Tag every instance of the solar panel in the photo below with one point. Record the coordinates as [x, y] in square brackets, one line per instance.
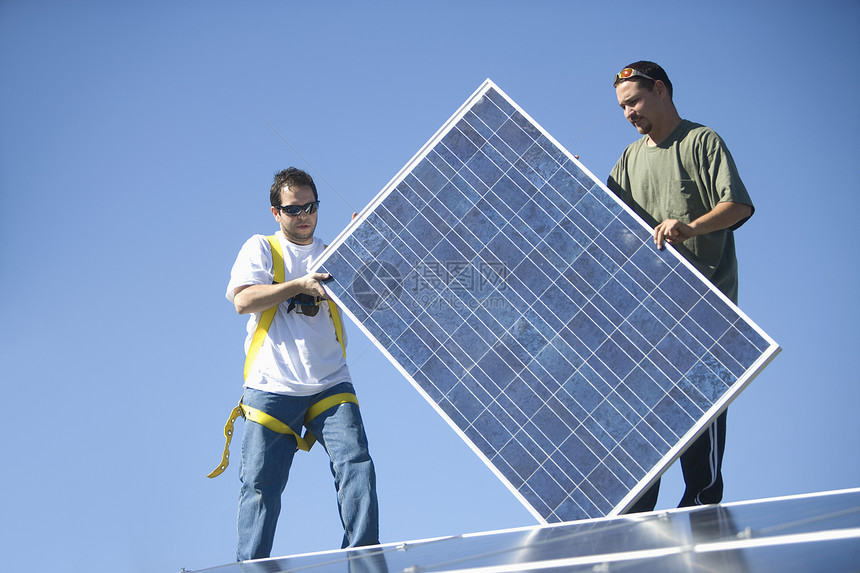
[531, 309]
[819, 532]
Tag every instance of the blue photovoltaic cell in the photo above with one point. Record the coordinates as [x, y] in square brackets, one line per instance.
[531, 308]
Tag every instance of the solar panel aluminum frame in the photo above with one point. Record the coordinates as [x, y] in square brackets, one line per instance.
[336, 289]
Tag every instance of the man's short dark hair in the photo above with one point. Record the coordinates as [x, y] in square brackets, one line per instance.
[291, 177]
[652, 70]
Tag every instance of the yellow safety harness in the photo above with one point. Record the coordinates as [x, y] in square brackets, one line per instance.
[305, 442]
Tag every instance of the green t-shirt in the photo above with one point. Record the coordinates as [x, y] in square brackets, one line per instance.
[683, 178]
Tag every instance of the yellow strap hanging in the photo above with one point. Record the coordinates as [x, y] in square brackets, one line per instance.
[228, 436]
[304, 443]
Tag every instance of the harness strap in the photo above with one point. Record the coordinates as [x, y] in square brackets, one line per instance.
[304, 443]
[334, 311]
[253, 414]
[269, 315]
[338, 324]
[323, 405]
[228, 435]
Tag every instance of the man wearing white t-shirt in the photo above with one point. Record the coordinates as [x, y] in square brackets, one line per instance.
[299, 366]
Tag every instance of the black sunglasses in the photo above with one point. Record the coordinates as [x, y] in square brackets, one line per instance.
[295, 210]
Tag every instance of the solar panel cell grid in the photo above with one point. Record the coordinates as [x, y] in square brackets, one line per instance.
[532, 310]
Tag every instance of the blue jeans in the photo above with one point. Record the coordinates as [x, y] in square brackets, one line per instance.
[267, 457]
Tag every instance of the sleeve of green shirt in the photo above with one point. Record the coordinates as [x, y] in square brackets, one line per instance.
[718, 169]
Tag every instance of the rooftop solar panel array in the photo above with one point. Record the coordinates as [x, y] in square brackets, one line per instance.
[819, 532]
[531, 308]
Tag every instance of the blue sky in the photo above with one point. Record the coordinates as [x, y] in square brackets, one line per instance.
[137, 145]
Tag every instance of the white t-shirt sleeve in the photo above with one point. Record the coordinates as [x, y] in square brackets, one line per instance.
[253, 265]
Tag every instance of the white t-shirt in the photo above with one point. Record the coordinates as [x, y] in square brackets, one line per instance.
[300, 355]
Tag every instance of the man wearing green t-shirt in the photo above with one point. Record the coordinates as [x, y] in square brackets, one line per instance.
[682, 180]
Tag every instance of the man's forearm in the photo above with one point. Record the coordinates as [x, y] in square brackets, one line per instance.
[723, 216]
[258, 298]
